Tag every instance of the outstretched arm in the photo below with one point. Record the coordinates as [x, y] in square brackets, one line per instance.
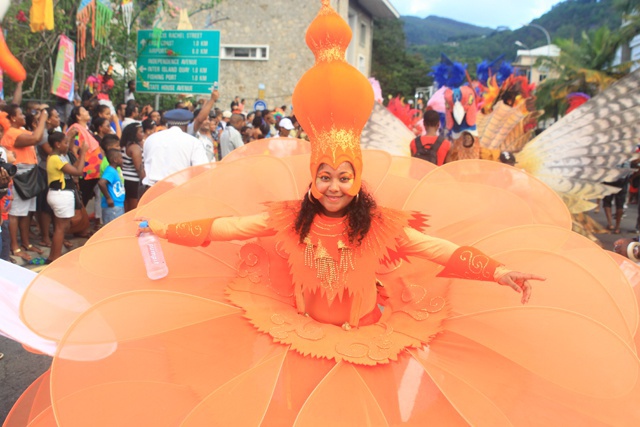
[465, 262]
[203, 232]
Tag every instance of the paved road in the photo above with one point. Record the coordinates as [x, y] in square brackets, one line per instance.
[19, 368]
[627, 226]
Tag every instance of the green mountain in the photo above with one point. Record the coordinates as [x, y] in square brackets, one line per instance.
[435, 30]
[565, 20]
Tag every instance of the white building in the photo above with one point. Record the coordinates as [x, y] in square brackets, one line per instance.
[263, 52]
[526, 62]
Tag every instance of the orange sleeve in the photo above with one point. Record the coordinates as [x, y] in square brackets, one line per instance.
[204, 231]
[426, 247]
[190, 233]
[468, 262]
[241, 227]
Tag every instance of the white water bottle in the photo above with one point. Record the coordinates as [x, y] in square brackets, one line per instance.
[152, 253]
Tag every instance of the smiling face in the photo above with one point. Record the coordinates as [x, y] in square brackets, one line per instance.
[333, 185]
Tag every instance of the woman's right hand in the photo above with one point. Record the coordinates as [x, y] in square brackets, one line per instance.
[158, 228]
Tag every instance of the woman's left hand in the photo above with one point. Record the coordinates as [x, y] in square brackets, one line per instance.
[520, 283]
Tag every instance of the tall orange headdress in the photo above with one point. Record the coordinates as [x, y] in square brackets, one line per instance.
[332, 100]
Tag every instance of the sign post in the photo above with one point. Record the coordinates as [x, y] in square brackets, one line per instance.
[183, 62]
[260, 105]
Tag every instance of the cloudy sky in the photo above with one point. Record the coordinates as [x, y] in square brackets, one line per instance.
[484, 13]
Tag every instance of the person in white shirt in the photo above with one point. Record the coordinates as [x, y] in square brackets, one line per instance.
[172, 150]
[231, 137]
[131, 115]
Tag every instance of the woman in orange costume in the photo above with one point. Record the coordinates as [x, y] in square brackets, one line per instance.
[304, 341]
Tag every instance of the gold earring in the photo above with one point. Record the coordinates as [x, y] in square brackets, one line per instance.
[357, 197]
[309, 196]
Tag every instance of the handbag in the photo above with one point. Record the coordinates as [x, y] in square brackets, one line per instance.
[29, 184]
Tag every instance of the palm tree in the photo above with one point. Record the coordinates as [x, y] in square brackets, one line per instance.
[581, 67]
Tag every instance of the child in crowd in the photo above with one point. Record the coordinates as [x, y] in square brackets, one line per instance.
[111, 141]
[61, 197]
[112, 186]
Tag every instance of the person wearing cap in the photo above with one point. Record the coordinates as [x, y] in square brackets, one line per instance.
[285, 127]
[231, 137]
[172, 150]
[226, 117]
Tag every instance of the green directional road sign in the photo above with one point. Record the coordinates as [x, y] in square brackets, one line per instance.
[183, 62]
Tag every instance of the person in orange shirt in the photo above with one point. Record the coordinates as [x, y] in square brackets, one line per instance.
[22, 143]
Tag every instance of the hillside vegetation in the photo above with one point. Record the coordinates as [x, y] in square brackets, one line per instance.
[463, 43]
[435, 30]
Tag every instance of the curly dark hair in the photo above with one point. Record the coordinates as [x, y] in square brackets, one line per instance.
[360, 213]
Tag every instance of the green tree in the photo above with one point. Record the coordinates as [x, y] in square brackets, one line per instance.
[398, 71]
[37, 51]
[583, 66]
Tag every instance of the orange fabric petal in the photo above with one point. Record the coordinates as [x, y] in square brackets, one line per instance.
[408, 396]
[332, 401]
[33, 408]
[558, 347]
[154, 355]
[482, 381]
[243, 400]
[298, 378]
[82, 278]
[564, 258]
[472, 199]
[631, 270]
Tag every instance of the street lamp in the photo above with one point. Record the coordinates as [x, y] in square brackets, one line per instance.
[528, 69]
[546, 33]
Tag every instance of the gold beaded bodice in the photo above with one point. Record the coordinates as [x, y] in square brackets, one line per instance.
[326, 263]
[327, 252]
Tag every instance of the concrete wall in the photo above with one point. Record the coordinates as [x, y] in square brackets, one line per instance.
[359, 52]
[277, 24]
[280, 25]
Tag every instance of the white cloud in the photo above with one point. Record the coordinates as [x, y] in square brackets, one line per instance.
[486, 13]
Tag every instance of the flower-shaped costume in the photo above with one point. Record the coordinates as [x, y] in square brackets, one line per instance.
[224, 339]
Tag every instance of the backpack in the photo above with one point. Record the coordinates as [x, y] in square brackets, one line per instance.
[429, 154]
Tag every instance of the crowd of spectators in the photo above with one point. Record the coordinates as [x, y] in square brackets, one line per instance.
[95, 159]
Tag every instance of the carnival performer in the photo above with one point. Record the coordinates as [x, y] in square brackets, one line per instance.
[337, 309]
